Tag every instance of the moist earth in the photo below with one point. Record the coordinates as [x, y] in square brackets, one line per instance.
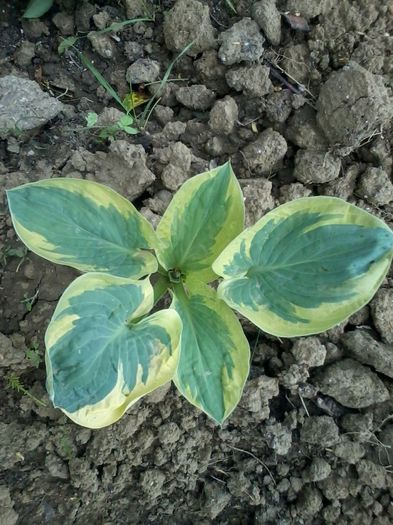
[298, 95]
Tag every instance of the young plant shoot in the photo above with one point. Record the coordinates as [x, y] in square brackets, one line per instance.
[300, 270]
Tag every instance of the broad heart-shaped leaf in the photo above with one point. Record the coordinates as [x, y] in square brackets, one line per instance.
[99, 361]
[305, 266]
[214, 356]
[202, 218]
[85, 225]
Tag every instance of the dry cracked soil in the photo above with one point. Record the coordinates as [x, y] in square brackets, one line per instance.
[298, 95]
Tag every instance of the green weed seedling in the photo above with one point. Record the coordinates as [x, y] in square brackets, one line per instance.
[123, 124]
[14, 383]
[301, 269]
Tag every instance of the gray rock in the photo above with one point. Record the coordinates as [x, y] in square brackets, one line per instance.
[320, 430]
[376, 187]
[143, 70]
[196, 97]
[25, 54]
[309, 502]
[189, 21]
[318, 470]
[257, 199]
[102, 19]
[307, 8]
[296, 62]
[254, 81]
[279, 438]
[223, 116]
[296, 190]
[64, 23]
[309, 351]
[362, 346]
[295, 374]
[302, 129]
[241, 42]
[177, 154]
[257, 394]
[268, 17]
[163, 114]
[316, 167]
[24, 106]
[152, 482]
[217, 498]
[56, 467]
[382, 313]
[349, 451]
[266, 152]
[133, 50]
[102, 44]
[7, 513]
[371, 474]
[135, 8]
[352, 384]
[173, 177]
[352, 105]
[123, 168]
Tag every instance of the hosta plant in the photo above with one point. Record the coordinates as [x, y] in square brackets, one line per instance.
[301, 269]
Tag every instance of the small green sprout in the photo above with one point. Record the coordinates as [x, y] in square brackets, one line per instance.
[33, 354]
[14, 383]
[123, 124]
[37, 8]
[301, 269]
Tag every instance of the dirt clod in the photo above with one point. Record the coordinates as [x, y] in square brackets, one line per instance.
[142, 71]
[316, 167]
[268, 17]
[376, 187]
[352, 384]
[252, 80]
[241, 42]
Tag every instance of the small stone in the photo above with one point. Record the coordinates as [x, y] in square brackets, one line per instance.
[189, 21]
[217, 498]
[266, 152]
[376, 187]
[352, 384]
[280, 438]
[362, 346]
[335, 487]
[7, 512]
[101, 20]
[302, 129]
[309, 502]
[135, 8]
[296, 63]
[278, 106]
[371, 474]
[257, 394]
[24, 106]
[196, 97]
[64, 23]
[258, 199]
[352, 105]
[163, 114]
[56, 467]
[294, 375]
[102, 44]
[306, 8]
[296, 190]
[152, 482]
[173, 177]
[254, 81]
[25, 54]
[349, 451]
[268, 17]
[241, 42]
[318, 470]
[143, 71]
[169, 433]
[382, 313]
[309, 351]
[316, 167]
[320, 430]
[133, 50]
[223, 116]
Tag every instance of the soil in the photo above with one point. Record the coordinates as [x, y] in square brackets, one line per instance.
[298, 95]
